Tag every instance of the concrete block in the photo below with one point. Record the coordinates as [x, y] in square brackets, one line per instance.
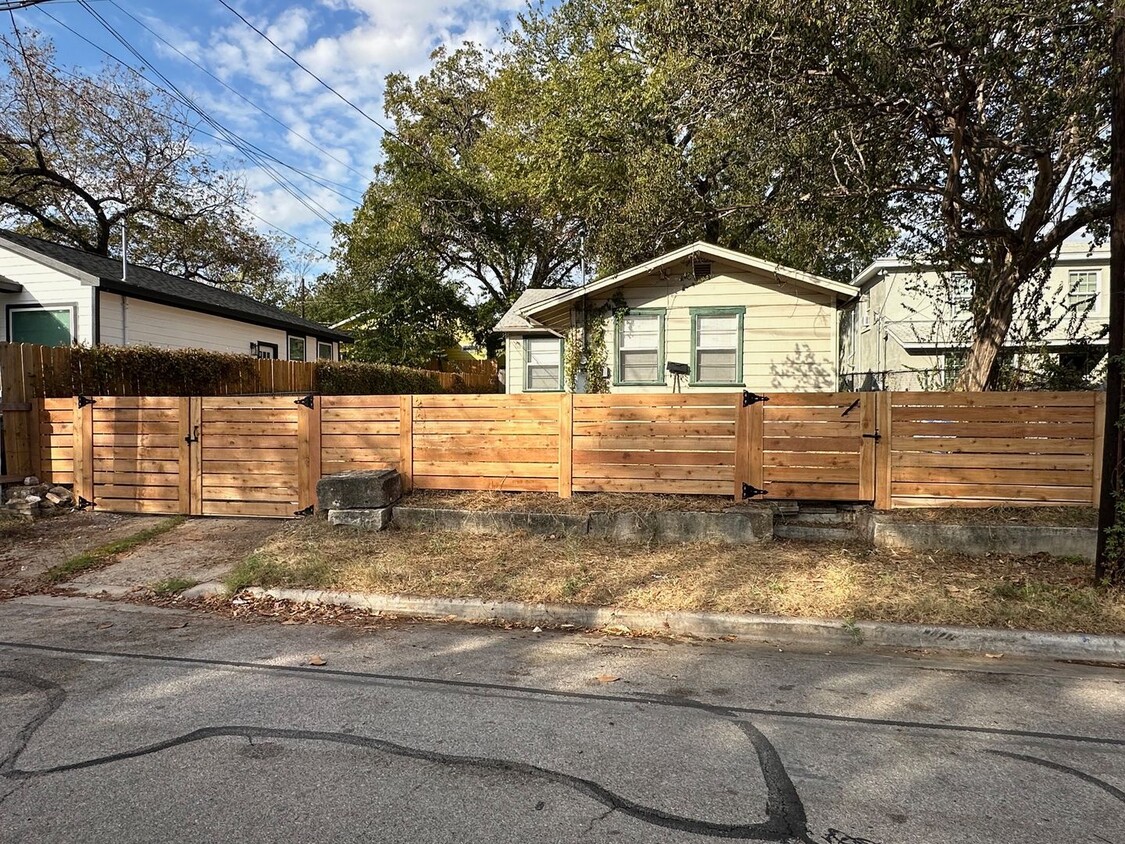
[364, 519]
[732, 527]
[976, 539]
[489, 522]
[358, 490]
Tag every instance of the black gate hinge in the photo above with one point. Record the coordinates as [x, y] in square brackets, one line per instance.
[85, 400]
[83, 504]
[307, 401]
[749, 398]
[749, 491]
[308, 511]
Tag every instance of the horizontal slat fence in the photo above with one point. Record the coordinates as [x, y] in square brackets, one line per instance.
[262, 456]
[485, 442]
[679, 443]
[987, 449]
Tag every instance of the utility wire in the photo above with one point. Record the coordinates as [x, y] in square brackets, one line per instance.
[231, 137]
[235, 91]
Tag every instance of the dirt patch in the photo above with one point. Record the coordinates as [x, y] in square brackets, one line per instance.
[29, 549]
[580, 503]
[821, 580]
[1038, 516]
[198, 550]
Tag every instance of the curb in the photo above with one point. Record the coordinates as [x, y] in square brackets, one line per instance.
[818, 633]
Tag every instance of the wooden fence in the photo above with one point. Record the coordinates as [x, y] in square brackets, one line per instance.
[29, 371]
[262, 456]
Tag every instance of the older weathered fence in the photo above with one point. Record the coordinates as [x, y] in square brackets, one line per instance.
[263, 455]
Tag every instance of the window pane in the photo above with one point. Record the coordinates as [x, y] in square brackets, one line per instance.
[640, 365]
[717, 332]
[324, 351]
[640, 331]
[1083, 284]
[296, 348]
[47, 328]
[543, 352]
[543, 377]
[716, 365]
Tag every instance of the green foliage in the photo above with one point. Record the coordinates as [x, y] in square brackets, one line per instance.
[350, 378]
[172, 586]
[100, 556]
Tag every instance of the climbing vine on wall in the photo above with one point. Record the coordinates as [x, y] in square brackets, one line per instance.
[587, 349]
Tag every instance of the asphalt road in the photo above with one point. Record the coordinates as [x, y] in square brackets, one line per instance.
[126, 724]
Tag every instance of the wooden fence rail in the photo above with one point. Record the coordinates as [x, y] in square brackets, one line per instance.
[262, 456]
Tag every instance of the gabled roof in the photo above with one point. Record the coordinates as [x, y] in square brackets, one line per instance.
[699, 249]
[513, 322]
[153, 285]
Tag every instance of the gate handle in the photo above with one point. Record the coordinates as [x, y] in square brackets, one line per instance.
[193, 437]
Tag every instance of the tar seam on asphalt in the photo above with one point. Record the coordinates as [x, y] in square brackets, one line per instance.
[786, 819]
[531, 690]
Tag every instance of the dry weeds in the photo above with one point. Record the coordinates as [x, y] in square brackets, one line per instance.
[787, 578]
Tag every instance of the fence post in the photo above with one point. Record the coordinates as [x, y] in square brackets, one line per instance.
[35, 438]
[195, 466]
[406, 441]
[83, 451]
[308, 453]
[741, 445]
[883, 416]
[1099, 444]
[566, 444]
[869, 447]
[183, 410]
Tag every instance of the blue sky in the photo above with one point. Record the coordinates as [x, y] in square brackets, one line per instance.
[351, 44]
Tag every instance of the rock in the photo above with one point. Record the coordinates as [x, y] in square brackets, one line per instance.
[364, 519]
[31, 480]
[58, 500]
[32, 500]
[62, 492]
[359, 490]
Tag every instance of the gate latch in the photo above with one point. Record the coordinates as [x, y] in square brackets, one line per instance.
[749, 491]
[307, 401]
[876, 436]
[749, 398]
[193, 437]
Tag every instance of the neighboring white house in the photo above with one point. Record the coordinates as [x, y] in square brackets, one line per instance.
[723, 319]
[908, 328]
[56, 295]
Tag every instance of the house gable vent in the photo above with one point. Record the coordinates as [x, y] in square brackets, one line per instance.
[701, 269]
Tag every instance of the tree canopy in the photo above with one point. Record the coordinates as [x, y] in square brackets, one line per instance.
[83, 155]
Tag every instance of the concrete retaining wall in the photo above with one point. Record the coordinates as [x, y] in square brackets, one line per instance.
[985, 539]
[731, 527]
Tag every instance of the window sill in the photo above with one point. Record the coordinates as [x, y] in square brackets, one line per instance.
[553, 390]
[640, 383]
[716, 384]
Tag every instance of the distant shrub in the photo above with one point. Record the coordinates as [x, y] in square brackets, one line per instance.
[353, 378]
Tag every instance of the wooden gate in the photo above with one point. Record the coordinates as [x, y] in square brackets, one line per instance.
[807, 446]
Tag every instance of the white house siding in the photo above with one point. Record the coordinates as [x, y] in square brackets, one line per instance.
[47, 287]
[894, 312]
[153, 324]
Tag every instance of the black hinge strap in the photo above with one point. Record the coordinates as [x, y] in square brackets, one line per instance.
[749, 491]
[749, 398]
[83, 503]
[307, 401]
[308, 511]
[85, 400]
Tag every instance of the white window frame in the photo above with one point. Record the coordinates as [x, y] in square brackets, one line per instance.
[1074, 299]
[528, 341]
[304, 341]
[619, 347]
[320, 347]
[960, 290]
[69, 307]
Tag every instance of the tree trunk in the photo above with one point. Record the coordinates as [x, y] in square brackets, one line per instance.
[990, 329]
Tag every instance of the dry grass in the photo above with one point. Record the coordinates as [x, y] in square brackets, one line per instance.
[786, 578]
[579, 503]
[1044, 516]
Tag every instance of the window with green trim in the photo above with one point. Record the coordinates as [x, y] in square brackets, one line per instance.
[640, 347]
[543, 371]
[716, 346]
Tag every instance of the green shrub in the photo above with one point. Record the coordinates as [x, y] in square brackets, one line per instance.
[352, 378]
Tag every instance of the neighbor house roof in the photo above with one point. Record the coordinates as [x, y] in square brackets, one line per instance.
[513, 322]
[699, 249]
[153, 285]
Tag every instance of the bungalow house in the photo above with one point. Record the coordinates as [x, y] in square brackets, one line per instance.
[909, 326]
[699, 318]
[55, 295]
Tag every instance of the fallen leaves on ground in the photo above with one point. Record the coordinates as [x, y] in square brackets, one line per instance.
[317, 660]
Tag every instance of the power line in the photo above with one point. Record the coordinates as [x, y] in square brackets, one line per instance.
[234, 90]
[305, 199]
[228, 135]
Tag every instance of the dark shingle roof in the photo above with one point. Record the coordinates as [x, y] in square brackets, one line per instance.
[145, 283]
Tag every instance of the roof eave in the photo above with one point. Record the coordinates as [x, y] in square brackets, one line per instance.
[46, 260]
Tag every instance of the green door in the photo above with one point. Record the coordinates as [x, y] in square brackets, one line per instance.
[45, 326]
